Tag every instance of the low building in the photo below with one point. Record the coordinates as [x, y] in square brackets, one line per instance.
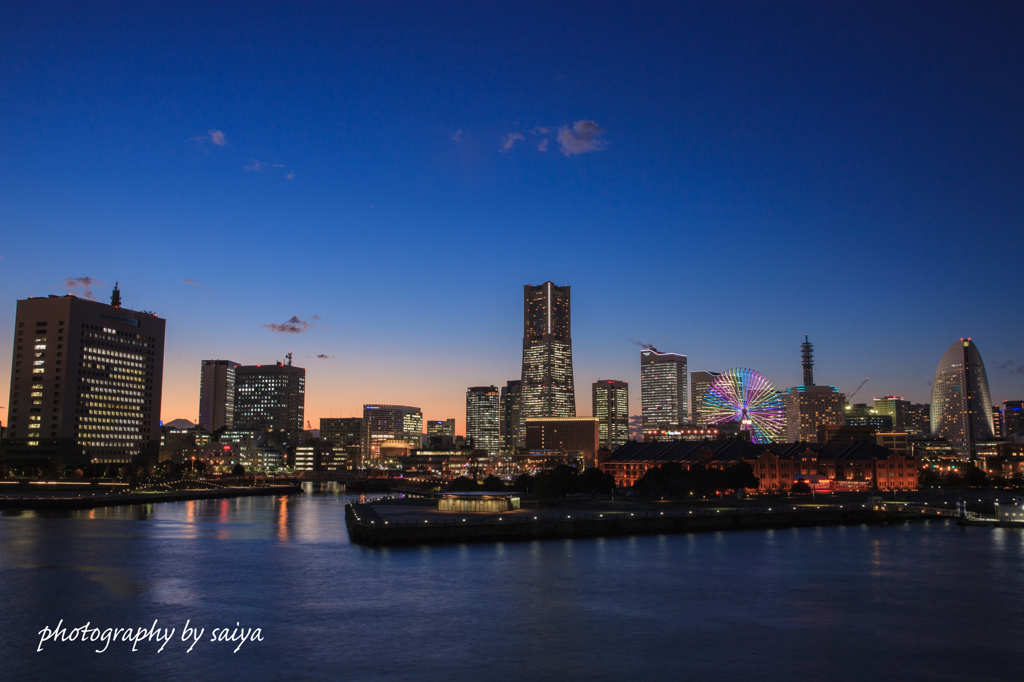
[478, 502]
[571, 437]
[852, 465]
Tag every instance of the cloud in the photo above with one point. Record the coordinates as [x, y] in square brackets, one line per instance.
[582, 138]
[214, 136]
[457, 137]
[543, 146]
[324, 357]
[291, 175]
[292, 326]
[192, 282]
[510, 140]
[259, 166]
[539, 130]
[1012, 367]
[646, 346]
[82, 285]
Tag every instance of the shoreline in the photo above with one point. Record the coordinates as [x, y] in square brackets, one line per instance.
[127, 499]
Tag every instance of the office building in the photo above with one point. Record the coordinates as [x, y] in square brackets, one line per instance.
[1012, 417]
[897, 408]
[918, 420]
[393, 423]
[663, 391]
[351, 434]
[441, 428]
[547, 381]
[575, 438]
[961, 403]
[511, 427]
[271, 398]
[611, 408]
[217, 394]
[86, 379]
[808, 407]
[699, 381]
[482, 418]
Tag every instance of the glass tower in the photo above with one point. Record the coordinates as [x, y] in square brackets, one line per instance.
[547, 383]
[511, 426]
[699, 382]
[482, 403]
[611, 407]
[961, 403]
[663, 391]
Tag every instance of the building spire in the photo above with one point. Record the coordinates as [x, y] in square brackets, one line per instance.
[807, 353]
[115, 296]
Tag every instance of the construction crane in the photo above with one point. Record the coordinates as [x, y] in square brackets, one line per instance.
[849, 397]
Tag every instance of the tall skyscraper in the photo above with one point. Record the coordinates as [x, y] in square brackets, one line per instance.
[217, 394]
[663, 391]
[699, 381]
[810, 407]
[961, 402]
[271, 398]
[611, 407]
[482, 417]
[441, 428]
[511, 426]
[86, 379]
[547, 382]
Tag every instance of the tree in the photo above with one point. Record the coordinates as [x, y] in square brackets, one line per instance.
[740, 475]
[556, 483]
[975, 477]
[525, 483]
[238, 470]
[597, 482]
[494, 484]
[463, 485]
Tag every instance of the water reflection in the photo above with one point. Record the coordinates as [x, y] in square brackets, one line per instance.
[715, 605]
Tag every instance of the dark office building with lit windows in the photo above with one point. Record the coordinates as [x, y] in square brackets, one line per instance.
[547, 381]
[270, 398]
[86, 379]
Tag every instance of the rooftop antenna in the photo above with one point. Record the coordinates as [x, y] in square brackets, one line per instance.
[288, 358]
[115, 296]
[807, 353]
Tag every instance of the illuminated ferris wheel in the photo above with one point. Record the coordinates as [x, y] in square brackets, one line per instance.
[749, 397]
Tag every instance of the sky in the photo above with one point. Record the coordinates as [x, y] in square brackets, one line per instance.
[370, 185]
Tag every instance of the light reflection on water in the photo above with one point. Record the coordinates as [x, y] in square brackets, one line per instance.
[844, 602]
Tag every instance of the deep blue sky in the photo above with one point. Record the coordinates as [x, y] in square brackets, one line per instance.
[766, 170]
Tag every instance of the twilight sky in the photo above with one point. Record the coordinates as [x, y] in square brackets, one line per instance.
[716, 179]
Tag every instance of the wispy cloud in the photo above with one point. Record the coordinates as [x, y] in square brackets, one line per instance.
[324, 357]
[192, 282]
[543, 146]
[294, 325]
[646, 346]
[1012, 367]
[540, 130]
[82, 285]
[214, 136]
[583, 137]
[259, 166]
[510, 140]
[457, 136]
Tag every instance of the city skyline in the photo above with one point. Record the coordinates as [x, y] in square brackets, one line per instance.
[882, 161]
